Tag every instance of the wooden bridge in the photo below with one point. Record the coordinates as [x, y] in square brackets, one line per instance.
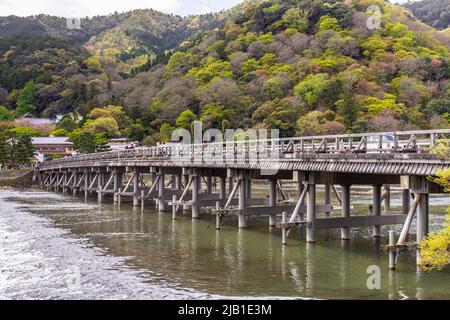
[216, 178]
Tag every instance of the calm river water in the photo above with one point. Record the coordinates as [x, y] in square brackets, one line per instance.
[60, 247]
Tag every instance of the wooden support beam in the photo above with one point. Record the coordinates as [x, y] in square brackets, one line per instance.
[129, 182]
[93, 181]
[70, 179]
[298, 209]
[409, 219]
[336, 193]
[83, 176]
[359, 221]
[110, 180]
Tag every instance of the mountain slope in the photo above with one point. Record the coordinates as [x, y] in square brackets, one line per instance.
[307, 67]
[302, 66]
[435, 13]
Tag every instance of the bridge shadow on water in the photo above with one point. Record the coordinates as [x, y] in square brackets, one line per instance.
[240, 262]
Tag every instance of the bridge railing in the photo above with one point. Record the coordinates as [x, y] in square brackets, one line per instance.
[273, 149]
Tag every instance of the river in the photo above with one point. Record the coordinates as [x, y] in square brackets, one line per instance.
[62, 247]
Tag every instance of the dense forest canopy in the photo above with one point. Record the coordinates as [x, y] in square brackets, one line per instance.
[302, 66]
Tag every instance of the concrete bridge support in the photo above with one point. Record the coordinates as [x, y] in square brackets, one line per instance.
[311, 209]
[87, 179]
[135, 188]
[345, 232]
[117, 184]
[161, 193]
[196, 187]
[406, 200]
[272, 200]
[422, 217]
[242, 180]
[327, 197]
[75, 183]
[376, 208]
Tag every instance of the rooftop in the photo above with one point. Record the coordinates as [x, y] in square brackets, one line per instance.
[52, 140]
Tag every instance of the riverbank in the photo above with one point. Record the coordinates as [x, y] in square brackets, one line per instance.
[17, 178]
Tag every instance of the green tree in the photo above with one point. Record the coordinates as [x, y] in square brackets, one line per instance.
[439, 106]
[185, 119]
[311, 123]
[107, 125]
[435, 248]
[328, 23]
[21, 149]
[312, 88]
[5, 154]
[297, 19]
[67, 124]
[59, 133]
[101, 142]
[25, 101]
[273, 89]
[23, 131]
[212, 115]
[93, 64]
[5, 114]
[83, 141]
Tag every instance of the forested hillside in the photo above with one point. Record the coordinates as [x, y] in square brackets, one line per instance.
[435, 13]
[303, 66]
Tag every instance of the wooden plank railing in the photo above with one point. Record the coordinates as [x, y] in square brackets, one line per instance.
[380, 142]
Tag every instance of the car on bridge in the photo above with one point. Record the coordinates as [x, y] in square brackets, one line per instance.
[373, 142]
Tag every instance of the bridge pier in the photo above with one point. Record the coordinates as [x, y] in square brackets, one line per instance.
[345, 208]
[86, 183]
[387, 199]
[135, 188]
[242, 180]
[327, 197]
[161, 193]
[272, 200]
[65, 181]
[117, 184]
[196, 187]
[376, 208]
[422, 217]
[311, 209]
[406, 200]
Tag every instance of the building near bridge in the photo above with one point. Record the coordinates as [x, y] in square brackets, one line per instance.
[53, 147]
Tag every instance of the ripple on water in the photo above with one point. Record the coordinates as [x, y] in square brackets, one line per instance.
[40, 261]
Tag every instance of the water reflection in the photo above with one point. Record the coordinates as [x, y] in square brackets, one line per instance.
[232, 261]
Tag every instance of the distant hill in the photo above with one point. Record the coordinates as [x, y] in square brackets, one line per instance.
[435, 13]
[302, 66]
